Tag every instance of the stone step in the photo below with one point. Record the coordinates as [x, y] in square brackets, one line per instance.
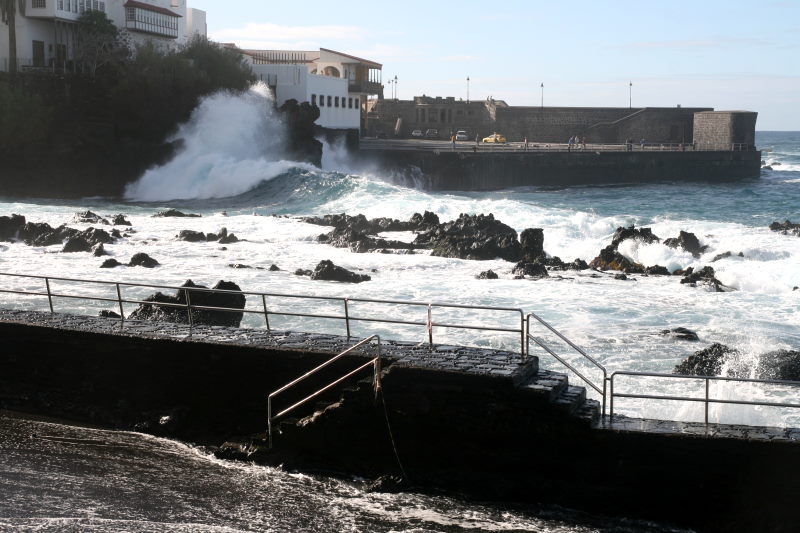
[571, 399]
[547, 384]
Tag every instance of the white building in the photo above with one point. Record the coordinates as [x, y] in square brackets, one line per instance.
[339, 84]
[45, 28]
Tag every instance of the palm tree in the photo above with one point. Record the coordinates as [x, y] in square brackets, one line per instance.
[8, 10]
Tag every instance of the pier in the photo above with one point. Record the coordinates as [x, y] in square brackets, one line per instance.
[464, 166]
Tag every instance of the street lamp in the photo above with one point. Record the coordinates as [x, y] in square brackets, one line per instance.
[630, 89]
[467, 89]
[542, 86]
[395, 87]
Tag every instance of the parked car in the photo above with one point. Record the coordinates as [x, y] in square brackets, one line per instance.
[417, 133]
[432, 134]
[495, 138]
[461, 135]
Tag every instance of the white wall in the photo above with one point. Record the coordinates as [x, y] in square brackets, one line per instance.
[294, 81]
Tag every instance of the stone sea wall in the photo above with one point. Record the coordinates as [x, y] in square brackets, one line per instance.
[483, 424]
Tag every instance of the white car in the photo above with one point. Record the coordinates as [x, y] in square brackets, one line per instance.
[461, 135]
[417, 133]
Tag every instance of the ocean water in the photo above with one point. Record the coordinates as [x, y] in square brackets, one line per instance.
[230, 175]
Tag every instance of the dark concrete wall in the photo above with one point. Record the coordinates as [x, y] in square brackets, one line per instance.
[476, 435]
[489, 170]
[538, 124]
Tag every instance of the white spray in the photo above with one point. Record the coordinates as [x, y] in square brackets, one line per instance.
[230, 145]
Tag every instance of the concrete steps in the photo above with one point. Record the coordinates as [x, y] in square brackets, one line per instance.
[554, 387]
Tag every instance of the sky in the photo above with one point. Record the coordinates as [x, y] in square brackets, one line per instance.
[726, 55]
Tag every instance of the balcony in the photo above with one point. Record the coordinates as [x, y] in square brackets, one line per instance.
[365, 87]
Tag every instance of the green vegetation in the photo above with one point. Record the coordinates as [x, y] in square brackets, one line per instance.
[94, 130]
[24, 119]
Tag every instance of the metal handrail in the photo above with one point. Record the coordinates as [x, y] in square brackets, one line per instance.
[706, 399]
[540, 342]
[428, 322]
[374, 362]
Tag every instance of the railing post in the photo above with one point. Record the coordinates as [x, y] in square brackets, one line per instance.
[430, 326]
[119, 302]
[708, 382]
[49, 295]
[611, 401]
[266, 313]
[347, 318]
[522, 336]
[189, 308]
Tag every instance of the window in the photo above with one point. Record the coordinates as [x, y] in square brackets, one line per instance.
[38, 53]
[349, 103]
[322, 100]
[336, 102]
[330, 99]
[39, 4]
[355, 101]
[313, 99]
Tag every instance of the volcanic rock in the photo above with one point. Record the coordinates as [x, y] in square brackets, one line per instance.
[533, 270]
[143, 260]
[706, 362]
[76, 244]
[786, 227]
[87, 217]
[680, 333]
[119, 220]
[10, 227]
[610, 258]
[174, 213]
[687, 241]
[110, 263]
[780, 364]
[191, 236]
[705, 275]
[531, 242]
[327, 271]
[487, 274]
[175, 309]
[472, 237]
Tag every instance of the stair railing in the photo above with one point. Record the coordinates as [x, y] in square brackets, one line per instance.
[600, 389]
[375, 362]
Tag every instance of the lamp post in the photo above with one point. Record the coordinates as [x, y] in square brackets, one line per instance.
[395, 87]
[542, 87]
[467, 89]
[630, 90]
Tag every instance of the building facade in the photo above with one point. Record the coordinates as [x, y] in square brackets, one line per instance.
[534, 123]
[45, 35]
[340, 85]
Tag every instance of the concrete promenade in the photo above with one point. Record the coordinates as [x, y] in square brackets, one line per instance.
[458, 359]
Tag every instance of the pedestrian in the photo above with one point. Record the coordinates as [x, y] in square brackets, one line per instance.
[526, 143]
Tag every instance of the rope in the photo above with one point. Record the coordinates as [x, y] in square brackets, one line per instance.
[391, 437]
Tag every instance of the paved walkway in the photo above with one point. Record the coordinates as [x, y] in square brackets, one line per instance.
[478, 361]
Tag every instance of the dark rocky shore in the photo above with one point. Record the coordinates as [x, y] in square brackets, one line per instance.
[471, 237]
